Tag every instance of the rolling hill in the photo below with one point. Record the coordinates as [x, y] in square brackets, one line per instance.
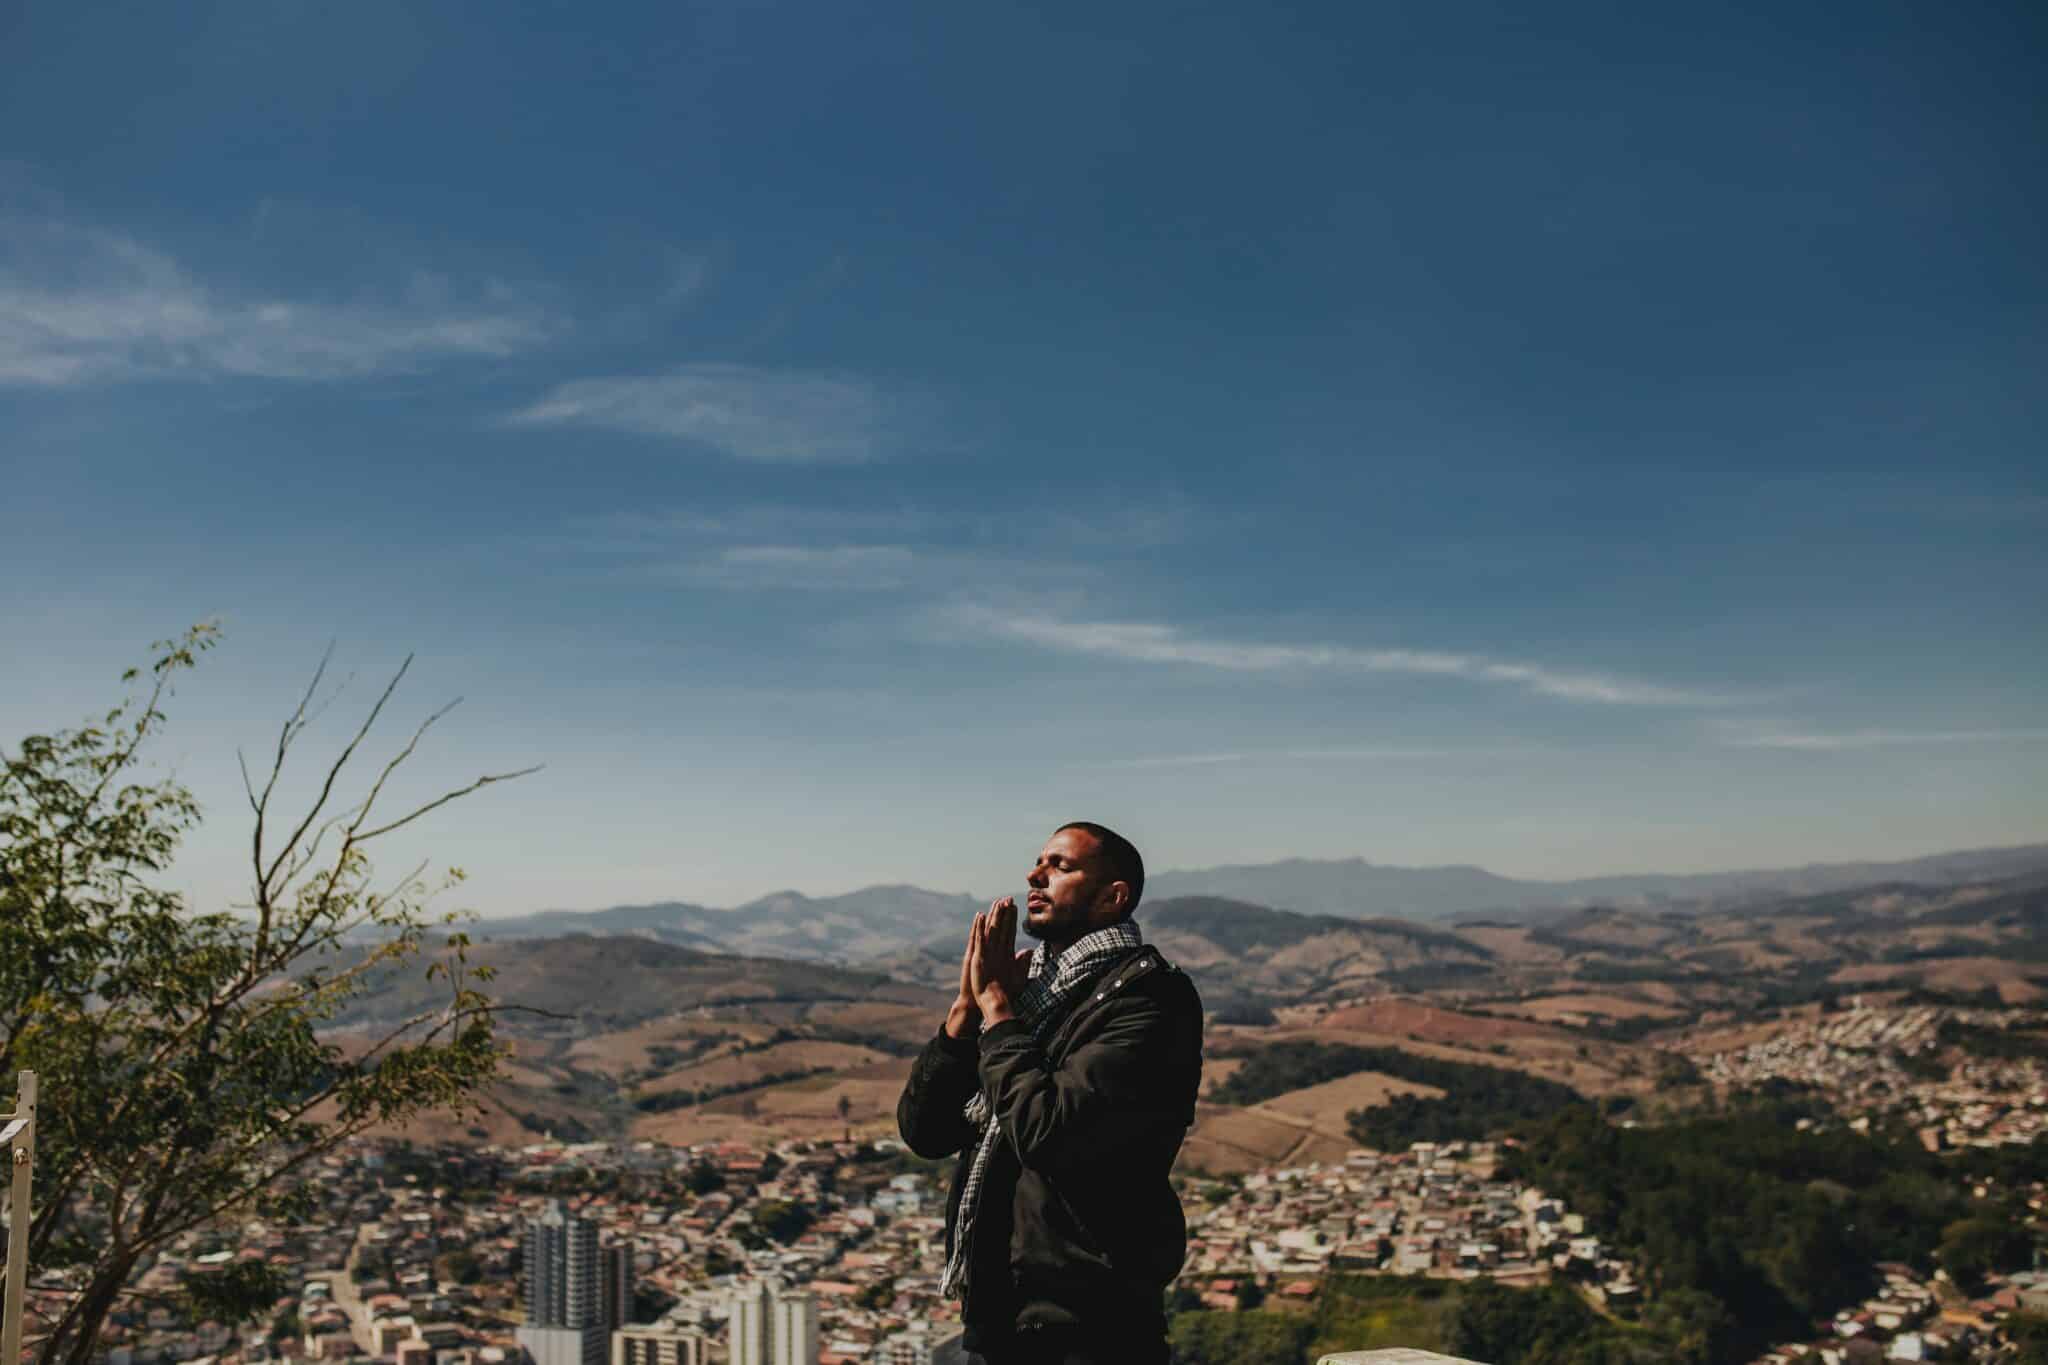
[1355, 888]
[580, 984]
[633, 1035]
[893, 924]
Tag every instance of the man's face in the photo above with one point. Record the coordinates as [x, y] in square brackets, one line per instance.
[1071, 894]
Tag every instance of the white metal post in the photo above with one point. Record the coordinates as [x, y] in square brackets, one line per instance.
[19, 1135]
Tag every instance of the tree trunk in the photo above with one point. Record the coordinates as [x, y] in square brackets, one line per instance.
[78, 1332]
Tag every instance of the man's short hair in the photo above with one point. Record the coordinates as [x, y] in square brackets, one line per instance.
[1119, 854]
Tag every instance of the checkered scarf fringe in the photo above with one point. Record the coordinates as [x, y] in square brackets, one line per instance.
[1053, 984]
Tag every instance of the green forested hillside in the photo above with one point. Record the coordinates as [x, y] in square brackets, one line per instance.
[1477, 1102]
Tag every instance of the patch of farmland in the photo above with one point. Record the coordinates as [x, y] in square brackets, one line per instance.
[871, 1094]
[1325, 1106]
[1510, 944]
[879, 1019]
[1590, 1066]
[517, 1074]
[1217, 1070]
[746, 1068]
[1398, 1018]
[1552, 1008]
[696, 1126]
[1228, 1139]
[633, 1049]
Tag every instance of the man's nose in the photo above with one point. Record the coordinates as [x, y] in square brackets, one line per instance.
[1036, 876]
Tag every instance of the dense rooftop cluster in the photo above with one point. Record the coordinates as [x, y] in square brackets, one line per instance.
[1433, 1210]
[1865, 1059]
[413, 1256]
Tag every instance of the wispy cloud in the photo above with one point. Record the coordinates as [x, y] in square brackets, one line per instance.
[752, 523]
[1156, 643]
[833, 568]
[747, 412]
[1839, 741]
[1370, 752]
[894, 545]
[79, 305]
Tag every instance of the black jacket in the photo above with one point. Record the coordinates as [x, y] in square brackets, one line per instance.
[1078, 1225]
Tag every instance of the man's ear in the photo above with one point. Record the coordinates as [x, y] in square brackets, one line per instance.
[1120, 898]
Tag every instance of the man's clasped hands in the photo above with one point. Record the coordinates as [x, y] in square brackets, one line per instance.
[992, 971]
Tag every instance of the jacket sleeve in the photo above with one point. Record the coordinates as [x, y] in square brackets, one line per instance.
[1108, 1093]
[941, 1082]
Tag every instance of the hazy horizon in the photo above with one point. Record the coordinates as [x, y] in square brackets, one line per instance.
[822, 893]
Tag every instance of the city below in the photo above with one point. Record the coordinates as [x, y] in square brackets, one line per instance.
[828, 1252]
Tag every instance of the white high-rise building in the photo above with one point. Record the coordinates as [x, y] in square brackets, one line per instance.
[794, 1332]
[746, 1330]
[564, 1301]
[562, 1275]
[772, 1325]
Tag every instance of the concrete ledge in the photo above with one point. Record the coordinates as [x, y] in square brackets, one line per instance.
[1400, 1356]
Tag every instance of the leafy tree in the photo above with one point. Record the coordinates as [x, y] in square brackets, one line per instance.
[782, 1219]
[1699, 1327]
[1551, 1325]
[2028, 1333]
[1363, 1312]
[1255, 1338]
[650, 1301]
[1495, 1323]
[372, 1263]
[1777, 1226]
[1477, 1101]
[183, 1073]
[1974, 1247]
[459, 1266]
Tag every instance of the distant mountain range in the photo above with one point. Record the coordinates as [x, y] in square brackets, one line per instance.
[859, 926]
[587, 983]
[878, 924]
[1357, 889]
[606, 1026]
[1641, 963]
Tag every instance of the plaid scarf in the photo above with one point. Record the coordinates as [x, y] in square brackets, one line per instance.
[1054, 982]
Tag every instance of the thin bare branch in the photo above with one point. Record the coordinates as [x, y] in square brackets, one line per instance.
[295, 722]
[377, 787]
[443, 800]
[293, 725]
[248, 787]
[334, 770]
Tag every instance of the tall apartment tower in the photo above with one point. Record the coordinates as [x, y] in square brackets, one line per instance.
[562, 1275]
[794, 1329]
[564, 1291]
[771, 1325]
[615, 1284]
[746, 1330]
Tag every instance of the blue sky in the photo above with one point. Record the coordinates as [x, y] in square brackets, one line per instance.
[841, 442]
